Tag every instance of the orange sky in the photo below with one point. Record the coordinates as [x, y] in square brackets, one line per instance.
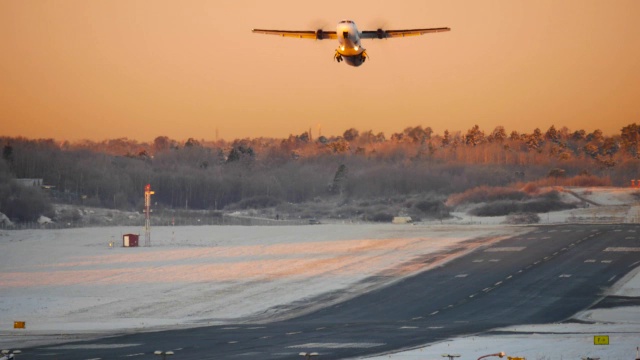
[80, 69]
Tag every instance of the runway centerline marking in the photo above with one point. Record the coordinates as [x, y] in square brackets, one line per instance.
[565, 276]
[461, 275]
[590, 261]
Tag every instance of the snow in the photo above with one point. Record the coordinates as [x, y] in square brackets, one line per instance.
[70, 284]
[73, 282]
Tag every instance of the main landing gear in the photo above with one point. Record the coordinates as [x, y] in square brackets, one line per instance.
[337, 57]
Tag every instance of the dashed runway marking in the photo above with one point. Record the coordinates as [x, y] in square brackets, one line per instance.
[590, 261]
[606, 261]
[461, 275]
[494, 260]
[565, 276]
[623, 249]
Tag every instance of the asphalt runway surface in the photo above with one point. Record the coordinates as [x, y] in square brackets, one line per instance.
[544, 276]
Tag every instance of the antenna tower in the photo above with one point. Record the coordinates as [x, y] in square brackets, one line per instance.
[147, 214]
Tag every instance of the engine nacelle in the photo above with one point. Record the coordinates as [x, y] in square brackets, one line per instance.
[319, 34]
[381, 34]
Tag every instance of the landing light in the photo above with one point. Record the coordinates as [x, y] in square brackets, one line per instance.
[356, 48]
[342, 48]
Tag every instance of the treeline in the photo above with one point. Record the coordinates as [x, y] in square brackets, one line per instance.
[196, 174]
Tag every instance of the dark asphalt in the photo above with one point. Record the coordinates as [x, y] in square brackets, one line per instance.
[544, 276]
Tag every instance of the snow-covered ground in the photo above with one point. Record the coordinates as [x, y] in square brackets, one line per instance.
[67, 284]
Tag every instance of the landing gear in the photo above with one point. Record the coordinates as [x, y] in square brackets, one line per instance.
[364, 56]
[337, 57]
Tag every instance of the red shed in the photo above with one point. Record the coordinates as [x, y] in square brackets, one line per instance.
[130, 240]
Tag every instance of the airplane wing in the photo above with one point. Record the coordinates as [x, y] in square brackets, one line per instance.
[310, 34]
[383, 34]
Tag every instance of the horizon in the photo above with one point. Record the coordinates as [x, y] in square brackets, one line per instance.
[105, 70]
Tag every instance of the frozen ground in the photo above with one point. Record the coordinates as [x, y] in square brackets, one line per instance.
[68, 284]
[71, 281]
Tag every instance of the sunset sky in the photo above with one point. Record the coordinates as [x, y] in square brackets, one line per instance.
[99, 69]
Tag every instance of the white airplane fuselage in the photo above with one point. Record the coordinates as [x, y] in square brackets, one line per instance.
[349, 47]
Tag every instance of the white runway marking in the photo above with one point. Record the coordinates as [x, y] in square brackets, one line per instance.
[294, 333]
[546, 237]
[565, 276]
[494, 260]
[435, 327]
[506, 248]
[461, 275]
[498, 283]
[435, 312]
[131, 355]
[478, 261]
[336, 345]
[613, 277]
[90, 346]
[606, 261]
[623, 249]
[629, 238]
[590, 261]
[233, 342]
[408, 327]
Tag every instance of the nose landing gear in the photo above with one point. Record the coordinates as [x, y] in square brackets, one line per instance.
[337, 57]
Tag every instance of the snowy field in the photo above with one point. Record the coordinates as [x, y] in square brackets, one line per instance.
[70, 284]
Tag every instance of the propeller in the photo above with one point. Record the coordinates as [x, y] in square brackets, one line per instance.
[319, 26]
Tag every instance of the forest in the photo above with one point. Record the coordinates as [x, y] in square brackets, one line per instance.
[415, 165]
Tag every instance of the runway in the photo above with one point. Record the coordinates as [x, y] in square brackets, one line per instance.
[543, 276]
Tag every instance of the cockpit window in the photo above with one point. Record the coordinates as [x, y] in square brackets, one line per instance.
[346, 22]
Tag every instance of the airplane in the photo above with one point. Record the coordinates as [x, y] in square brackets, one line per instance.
[349, 47]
